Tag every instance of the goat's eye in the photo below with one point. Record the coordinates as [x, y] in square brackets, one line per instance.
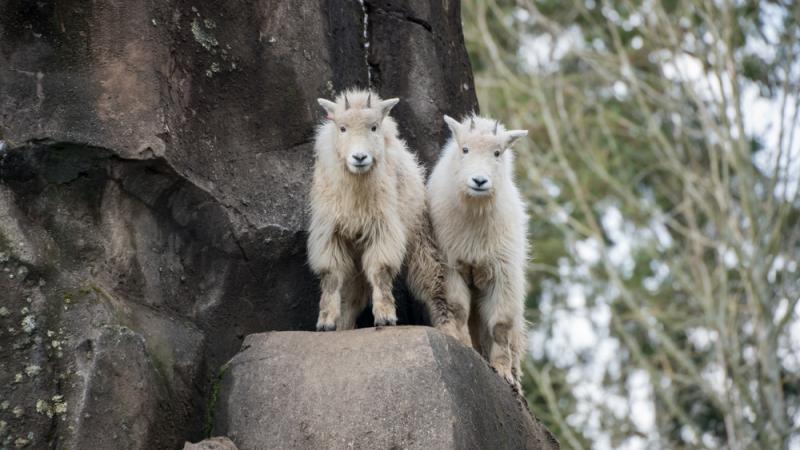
[465, 150]
[374, 128]
[497, 153]
[342, 129]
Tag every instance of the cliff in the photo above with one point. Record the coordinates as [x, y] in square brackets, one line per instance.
[154, 168]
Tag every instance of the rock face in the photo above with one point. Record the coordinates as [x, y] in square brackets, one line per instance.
[403, 387]
[155, 158]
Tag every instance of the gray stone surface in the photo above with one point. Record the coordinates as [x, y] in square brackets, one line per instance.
[403, 387]
[416, 47]
[154, 168]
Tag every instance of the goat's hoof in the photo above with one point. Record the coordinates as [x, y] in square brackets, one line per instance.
[515, 386]
[508, 376]
[385, 322]
[384, 315]
[326, 327]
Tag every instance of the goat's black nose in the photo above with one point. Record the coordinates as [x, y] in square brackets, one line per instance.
[359, 157]
[479, 181]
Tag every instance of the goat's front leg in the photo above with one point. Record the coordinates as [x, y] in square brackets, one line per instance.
[482, 276]
[330, 259]
[459, 300]
[381, 262]
[383, 307]
[502, 356]
[501, 313]
[330, 302]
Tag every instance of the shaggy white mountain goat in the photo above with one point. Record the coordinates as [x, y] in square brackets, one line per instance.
[480, 224]
[368, 217]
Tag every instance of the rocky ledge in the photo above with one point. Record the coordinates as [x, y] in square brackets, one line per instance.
[400, 387]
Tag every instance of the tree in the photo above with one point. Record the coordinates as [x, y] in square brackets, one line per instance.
[663, 175]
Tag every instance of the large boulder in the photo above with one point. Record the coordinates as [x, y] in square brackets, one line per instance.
[401, 387]
[155, 158]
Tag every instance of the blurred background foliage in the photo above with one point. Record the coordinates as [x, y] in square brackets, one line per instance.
[662, 174]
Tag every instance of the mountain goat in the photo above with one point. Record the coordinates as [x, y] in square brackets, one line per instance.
[480, 224]
[368, 217]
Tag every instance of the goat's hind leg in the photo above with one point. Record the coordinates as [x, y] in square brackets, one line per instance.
[517, 351]
[425, 278]
[355, 296]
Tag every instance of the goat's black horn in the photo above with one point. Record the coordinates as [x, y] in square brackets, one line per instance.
[369, 100]
[496, 122]
[346, 102]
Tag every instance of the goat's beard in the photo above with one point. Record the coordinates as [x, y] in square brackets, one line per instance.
[477, 207]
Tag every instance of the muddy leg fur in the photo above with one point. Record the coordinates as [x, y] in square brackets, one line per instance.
[331, 259]
[383, 307]
[458, 299]
[503, 321]
[425, 278]
[500, 355]
[355, 297]
[330, 302]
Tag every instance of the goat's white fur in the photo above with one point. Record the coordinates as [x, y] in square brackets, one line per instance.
[481, 230]
[368, 216]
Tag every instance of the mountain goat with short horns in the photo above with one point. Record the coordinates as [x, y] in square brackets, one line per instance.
[480, 224]
[369, 218]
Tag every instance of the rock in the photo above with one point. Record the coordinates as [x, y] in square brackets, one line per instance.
[404, 387]
[155, 159]
[122, 391]
[416, 47]
[215, 443]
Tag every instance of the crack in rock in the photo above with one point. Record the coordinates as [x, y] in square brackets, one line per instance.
[406, 17]
[365, 35]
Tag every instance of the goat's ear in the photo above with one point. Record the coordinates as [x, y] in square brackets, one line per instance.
[327, 105]
[454, 125]
[387, 105]
[514, 135]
